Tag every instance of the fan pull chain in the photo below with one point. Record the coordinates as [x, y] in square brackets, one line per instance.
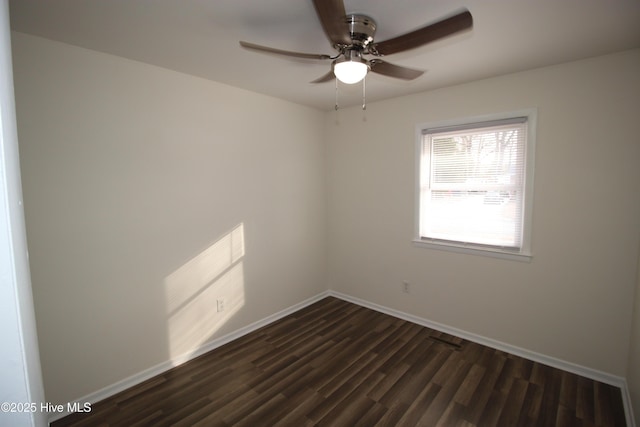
[336, 106]
[364, 93]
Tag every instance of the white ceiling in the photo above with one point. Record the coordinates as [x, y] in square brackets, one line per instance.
[200, 37]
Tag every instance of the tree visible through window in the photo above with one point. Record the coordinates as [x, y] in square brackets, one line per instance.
[472, 184]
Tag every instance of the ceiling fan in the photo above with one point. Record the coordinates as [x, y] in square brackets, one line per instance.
[353, 37]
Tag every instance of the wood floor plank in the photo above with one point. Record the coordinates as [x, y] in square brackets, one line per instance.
[451, 416]
[334, 363]
[419, 405]
[585, 400]
[415, 379]
[298, 408]
[551, 397]
[393, 415]
[391, 377]
[568, 391]
[348, 411]
[493, 409]
[530, 406]
[469, 384]
[458, 371]
[513, 405]
[483, 393]
[435, 408]
[372, 417]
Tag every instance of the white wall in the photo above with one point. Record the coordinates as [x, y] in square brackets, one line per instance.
[574, 300]
[20, 372]
[150, 194]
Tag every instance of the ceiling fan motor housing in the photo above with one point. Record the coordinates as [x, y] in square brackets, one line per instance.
[361, 29]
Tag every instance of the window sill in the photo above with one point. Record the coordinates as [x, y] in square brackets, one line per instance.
[470, 250]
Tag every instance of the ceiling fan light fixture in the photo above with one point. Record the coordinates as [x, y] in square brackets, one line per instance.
[351, 69]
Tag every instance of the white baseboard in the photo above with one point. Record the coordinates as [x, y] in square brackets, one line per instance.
[593, 374]
[140, 377]
[211, 345]
[628, 407]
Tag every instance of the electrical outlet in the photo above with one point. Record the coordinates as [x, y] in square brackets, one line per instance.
[220, 302]
[405, 287]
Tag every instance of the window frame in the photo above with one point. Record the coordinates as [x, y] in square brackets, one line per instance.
[524, 254]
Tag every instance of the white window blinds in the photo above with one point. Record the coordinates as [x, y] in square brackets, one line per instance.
[472, 181]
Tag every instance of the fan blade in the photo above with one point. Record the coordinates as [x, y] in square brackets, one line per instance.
[283, 52]
[386, 69]
[424, 35]
[326, 78]
[332, 17]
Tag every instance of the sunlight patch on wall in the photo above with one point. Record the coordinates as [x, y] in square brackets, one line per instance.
[204, 293]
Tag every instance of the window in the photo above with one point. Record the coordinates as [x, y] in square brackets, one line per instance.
[474, 189]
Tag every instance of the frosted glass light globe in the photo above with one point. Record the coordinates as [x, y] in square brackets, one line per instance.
[350, 72]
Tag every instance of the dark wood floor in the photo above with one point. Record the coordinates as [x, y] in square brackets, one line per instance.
[338, 364]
